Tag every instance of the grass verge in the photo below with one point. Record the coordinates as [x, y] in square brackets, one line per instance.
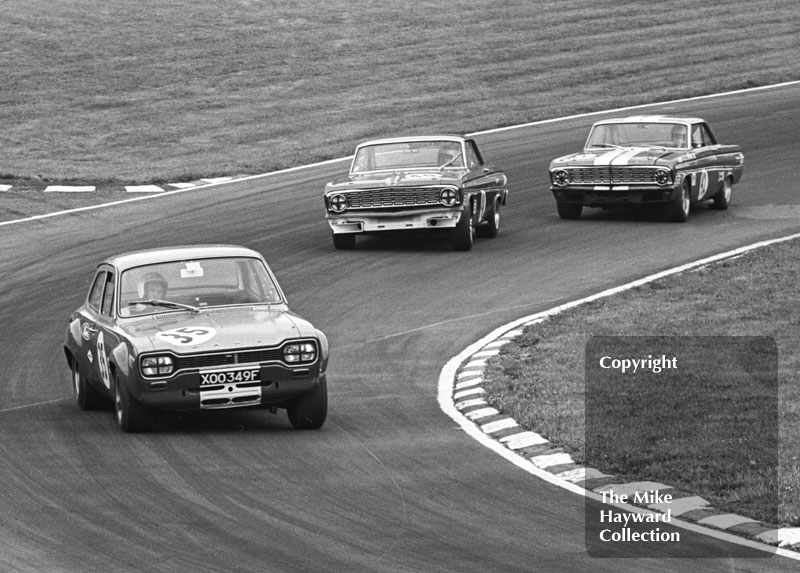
[152, 91]
[539, 379]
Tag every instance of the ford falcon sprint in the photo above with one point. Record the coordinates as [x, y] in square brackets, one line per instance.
[667, 162]
[193, 328]
[431, 182]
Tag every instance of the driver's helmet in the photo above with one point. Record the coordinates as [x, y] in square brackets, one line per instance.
[152, 285]
[678, 136]
[448, 153]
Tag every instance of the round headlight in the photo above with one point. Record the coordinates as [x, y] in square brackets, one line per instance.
[560, 177]
[448, 197]
[338, 203]
[662, 177]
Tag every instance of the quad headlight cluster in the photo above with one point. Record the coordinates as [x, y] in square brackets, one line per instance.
[159, 365]
[300, 353]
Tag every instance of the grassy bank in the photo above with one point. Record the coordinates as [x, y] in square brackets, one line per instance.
[154, 91]
[705, 434]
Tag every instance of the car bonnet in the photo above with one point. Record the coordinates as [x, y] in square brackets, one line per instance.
[216, 329]
[628, 156]
[400, 178]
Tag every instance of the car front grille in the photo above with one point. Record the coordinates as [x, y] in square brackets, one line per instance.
[228, 358]
[608, 175]
[393, 197]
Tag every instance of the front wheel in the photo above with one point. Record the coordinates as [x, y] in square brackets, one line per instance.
[678, 210]
[310, 411]
[131, 416]
[569, 210]
[344, 241]
[723, 198]
[463, 232]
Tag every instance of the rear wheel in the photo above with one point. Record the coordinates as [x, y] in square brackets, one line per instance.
[678, 210]
[310, 411]
[723, 198]
[569, 210]
[492, 226]
[344, 241]
[463, 233]
[131, 416]
[86, 396]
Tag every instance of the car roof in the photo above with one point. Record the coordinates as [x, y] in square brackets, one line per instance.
[443, 137]
[651, 119]
[178, 253]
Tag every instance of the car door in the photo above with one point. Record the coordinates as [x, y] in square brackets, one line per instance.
[708, 180]
[87, 317]
[483, 180]
[105, 336]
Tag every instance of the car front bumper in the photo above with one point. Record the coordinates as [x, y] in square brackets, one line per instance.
[374, 221]
[615, 195]
[277, 385]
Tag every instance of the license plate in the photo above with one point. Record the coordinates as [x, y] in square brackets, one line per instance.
[230, 376]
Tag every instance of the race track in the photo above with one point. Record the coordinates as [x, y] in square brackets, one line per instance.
[390, 483]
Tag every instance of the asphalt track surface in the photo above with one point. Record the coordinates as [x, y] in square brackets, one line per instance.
[390, 483]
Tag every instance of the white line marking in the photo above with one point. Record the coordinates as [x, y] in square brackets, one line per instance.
[26, 406]
[143, 189]
[69, 189]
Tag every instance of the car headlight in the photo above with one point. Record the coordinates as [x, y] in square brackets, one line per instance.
[448, 197]
[662, 177]
[338, 203]
[300, 353]
[560, 177]
[157, 365]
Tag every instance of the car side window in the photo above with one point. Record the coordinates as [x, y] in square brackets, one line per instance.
[701, 136]
[108, 295]
[473, 157]
[96, 292]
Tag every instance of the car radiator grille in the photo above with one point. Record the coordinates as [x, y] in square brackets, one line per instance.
[611, 175]
[393, 197]
[228, 358]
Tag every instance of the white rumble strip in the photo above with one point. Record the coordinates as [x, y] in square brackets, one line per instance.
[462, 397]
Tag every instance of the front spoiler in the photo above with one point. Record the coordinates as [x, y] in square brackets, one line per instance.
[399, 221]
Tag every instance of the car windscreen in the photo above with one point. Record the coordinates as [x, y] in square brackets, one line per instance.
[407, 154]
[638, 134]
[198, 283]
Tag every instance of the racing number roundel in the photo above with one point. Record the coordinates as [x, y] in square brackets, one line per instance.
[703, 185]
[102, 360]
[187, 335]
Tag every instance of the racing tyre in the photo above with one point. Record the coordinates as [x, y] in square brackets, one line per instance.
[569, 210]
[678, 210]
[492, 226]
[310, 411]
[86, 396]
[463, 233]
[723, 198]
[131, 416]
[344, 242]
